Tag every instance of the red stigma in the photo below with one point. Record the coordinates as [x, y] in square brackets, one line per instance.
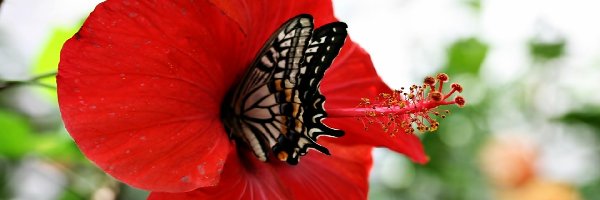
[429, 80]
[442, 77]
[460, 101]
[457, 87]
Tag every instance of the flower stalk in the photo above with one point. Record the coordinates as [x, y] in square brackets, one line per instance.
[5, 84]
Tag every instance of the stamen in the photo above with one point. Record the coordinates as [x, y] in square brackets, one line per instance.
[403, 110]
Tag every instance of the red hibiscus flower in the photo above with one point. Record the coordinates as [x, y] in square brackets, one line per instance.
[141, 87]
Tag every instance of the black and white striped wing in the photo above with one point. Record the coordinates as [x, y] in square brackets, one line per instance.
[304, 122]
[324, 47]
[266, 91]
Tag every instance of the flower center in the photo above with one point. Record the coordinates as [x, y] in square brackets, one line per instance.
[405, 110]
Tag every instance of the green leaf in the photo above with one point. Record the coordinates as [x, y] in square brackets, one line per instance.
[546, 50]
[15, 140]
[474, 4]
[589, 116]
[591, 190]
[466, 56]
[58, 146]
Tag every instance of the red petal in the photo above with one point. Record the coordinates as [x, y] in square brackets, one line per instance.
[344, 175]
[140, 87]
[253, 16]
[244, 177]
[350, 78]
[259, 19]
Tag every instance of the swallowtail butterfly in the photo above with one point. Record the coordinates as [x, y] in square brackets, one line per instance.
[278, 107]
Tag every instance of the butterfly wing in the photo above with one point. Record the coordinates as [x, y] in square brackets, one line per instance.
[324, 47]
[304, 121]
[260, 100]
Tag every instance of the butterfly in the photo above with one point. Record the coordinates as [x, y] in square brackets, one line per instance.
[277, 106]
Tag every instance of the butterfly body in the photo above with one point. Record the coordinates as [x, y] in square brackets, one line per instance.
[277, 106]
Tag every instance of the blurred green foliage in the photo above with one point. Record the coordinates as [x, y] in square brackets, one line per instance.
[20, 139]
[16, 137]
[589, 116]
[49, 57]
[591, 190]
[474, 4]
[465, 56]
[546, 50]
